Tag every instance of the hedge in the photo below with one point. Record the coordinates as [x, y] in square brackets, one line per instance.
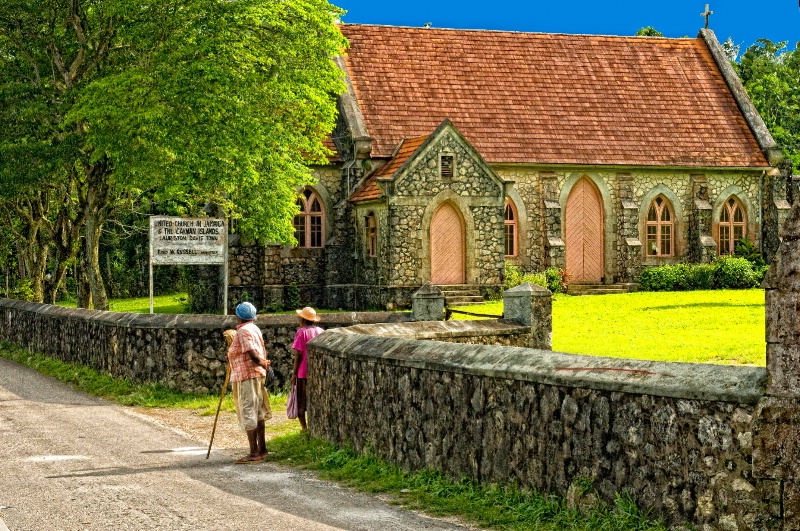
[726, 272]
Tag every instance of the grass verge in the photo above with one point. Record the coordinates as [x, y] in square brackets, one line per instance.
[174, 303]
[490, 506]
[719, 326]
[120, 390]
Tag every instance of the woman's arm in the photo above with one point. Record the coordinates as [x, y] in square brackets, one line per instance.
[258, 360]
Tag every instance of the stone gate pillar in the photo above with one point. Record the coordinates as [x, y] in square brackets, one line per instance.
[427, 304]
[531, 305]
[776, 433]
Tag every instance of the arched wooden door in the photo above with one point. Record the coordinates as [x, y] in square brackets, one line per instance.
[447, 246]
[584, 243]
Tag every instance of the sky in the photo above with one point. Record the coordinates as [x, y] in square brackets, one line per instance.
[744, 21]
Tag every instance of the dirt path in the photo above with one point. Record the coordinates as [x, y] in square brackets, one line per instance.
[70, 461]
[228, 436]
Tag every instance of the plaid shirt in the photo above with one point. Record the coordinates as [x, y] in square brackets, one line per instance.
[248, 337]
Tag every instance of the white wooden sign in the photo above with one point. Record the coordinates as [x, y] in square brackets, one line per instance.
[197, 241]
[188, 241]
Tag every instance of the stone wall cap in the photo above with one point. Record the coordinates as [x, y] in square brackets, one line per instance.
[555, 242]
[527, 290]
[691, 381]
[550, 203]
[630, 205]
[633, 242]
[439, 329]
[702, 204]
[782, 204]
[428, 291]
[198, 321]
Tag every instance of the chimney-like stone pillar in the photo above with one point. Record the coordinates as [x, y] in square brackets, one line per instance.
[776, 430]
[532, 306]
[427, 304]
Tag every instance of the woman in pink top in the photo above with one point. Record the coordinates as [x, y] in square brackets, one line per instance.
[308, 331]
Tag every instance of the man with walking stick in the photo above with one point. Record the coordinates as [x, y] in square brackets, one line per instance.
[249, 364]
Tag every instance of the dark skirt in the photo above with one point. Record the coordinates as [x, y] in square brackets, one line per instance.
[301, 395]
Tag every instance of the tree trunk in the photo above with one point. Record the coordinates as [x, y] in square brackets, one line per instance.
[54, 284]
[39, 270]
[84, 294]
[94, 227]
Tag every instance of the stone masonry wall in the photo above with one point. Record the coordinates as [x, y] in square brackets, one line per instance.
[474, 192]
[640, 185]
[677, 436]
[182, 351]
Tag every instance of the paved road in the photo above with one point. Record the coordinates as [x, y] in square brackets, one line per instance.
[69, 461]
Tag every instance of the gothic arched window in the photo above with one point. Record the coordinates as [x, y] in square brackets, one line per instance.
[660, 228]
[510, 217]
[309, 222]
[732, 225]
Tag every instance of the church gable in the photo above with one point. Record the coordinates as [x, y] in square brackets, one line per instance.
[427, 165]
[446, 161]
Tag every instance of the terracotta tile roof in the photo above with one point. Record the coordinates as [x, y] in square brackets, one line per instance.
[546, 98]
[370, 190]
[328, 143]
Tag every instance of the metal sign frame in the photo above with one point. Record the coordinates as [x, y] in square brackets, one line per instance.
[177, 240]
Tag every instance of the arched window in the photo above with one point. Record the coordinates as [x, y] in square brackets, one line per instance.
[660, 228]
[371, 228]
[309, 222]
[732, 224]
[510, 216]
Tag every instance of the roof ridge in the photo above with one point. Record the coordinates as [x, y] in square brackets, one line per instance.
[520, 32]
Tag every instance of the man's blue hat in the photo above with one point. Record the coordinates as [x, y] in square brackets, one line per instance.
[246, 311]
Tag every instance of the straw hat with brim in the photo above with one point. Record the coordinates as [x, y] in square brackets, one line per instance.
[308, 313]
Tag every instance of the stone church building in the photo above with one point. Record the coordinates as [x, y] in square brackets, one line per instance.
[458, 150]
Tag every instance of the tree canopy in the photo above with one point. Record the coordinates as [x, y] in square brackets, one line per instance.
[109, 101]
[771, 75]
[648, 31]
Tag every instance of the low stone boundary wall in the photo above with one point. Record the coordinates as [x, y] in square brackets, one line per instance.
[678, 436]
[182, 351]
[188, 351]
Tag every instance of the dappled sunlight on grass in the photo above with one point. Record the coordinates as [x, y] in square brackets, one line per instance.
[721, 326]
[174, 303]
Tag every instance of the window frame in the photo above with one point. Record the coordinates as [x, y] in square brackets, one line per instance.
[731, 224]
[452, 158]
[514, 224]
[659, 224]
[371, 234]
[312, 222]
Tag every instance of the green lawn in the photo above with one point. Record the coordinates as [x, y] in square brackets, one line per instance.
[174, 303]
[724, 326]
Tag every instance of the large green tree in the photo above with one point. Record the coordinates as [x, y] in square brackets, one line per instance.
[771, 75]
[110, 101]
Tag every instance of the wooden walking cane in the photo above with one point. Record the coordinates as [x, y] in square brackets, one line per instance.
[229, 335]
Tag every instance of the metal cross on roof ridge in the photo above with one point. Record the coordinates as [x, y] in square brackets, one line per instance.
[706, 14]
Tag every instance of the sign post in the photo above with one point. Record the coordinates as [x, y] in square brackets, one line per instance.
[189, 241]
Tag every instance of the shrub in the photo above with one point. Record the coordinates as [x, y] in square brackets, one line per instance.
[557, 279]
[513, 275]
[760, 273]
[734, 273]
[746, 249]
[553, 278]
[22, 290]
[727, 272]
[699, 276]
[662, 278]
